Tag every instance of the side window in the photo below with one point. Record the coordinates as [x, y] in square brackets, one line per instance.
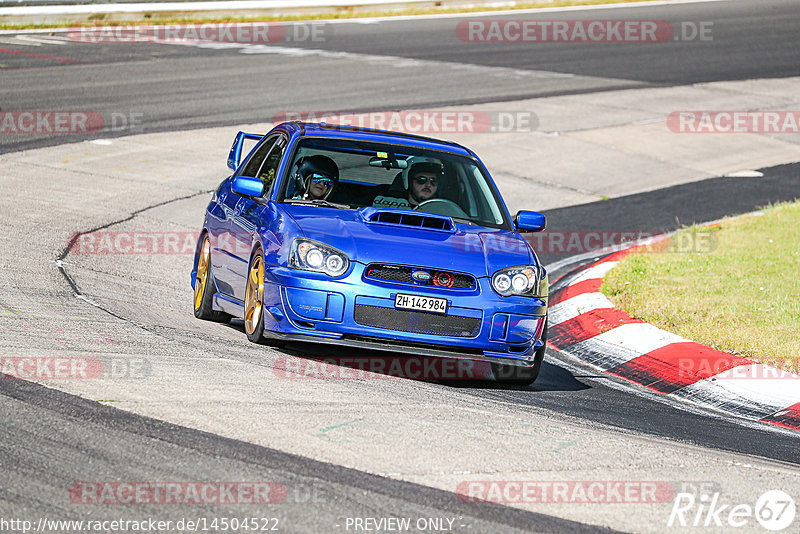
[255, 161]
[269, 168]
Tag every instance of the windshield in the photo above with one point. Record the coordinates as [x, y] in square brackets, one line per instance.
[354, 174]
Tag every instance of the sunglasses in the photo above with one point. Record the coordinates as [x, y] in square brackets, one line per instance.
[321, 180]
[423, 179]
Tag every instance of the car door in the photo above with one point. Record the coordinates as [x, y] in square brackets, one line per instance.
[226, 244]
[218, 226]
[249, 213]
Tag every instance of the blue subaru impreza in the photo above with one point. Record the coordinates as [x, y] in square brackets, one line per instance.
[372, 239]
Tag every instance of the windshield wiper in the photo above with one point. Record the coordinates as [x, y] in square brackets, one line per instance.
[467, 221]
[317, 202]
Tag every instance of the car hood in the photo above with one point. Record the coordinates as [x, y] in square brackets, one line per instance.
[473, 249]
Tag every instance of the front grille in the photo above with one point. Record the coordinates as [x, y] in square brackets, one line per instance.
[417, 322]
[402, 274]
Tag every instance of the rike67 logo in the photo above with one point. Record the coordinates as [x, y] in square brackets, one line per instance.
[775, 511]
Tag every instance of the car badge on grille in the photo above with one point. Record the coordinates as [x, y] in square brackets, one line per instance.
[421, 276]
[443, 279]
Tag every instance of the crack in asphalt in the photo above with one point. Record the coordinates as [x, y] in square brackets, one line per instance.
[59, 261]
[155, 330]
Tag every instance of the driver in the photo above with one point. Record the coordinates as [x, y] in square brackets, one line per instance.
[421, 181]
[424, 182]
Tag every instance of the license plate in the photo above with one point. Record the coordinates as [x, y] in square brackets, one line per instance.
[418, 303]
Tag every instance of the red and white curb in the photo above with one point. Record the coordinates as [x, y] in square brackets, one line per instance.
[584, 323]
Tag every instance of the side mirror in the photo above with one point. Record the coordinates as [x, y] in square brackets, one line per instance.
[248, 187]
[530, 221]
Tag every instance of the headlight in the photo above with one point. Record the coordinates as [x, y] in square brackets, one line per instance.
[313, 256]
[522, 280]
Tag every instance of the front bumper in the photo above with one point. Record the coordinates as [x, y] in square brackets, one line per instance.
[479, 325]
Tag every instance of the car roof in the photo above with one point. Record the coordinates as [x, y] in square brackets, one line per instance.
[311, 129]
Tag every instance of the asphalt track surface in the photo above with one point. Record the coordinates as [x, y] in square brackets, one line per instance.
[171, 87]
[175, 87]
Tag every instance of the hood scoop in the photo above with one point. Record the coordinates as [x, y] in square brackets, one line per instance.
[407, 218]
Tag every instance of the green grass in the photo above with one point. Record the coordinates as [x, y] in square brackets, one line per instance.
[740, 293]
[343, 13]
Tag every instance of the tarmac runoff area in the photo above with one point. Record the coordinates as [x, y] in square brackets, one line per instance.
[207, 376]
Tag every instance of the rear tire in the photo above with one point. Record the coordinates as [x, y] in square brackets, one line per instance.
[518, 375]
[205, 288]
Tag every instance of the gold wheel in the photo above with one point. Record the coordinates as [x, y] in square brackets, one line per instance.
[254, 295]
[202, 274]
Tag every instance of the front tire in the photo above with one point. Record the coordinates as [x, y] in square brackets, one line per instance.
[254, 300]
[205, 289]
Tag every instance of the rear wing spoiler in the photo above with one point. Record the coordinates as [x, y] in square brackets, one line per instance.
[235, 155]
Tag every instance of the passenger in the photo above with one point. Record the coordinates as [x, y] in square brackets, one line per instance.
[316, 178]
